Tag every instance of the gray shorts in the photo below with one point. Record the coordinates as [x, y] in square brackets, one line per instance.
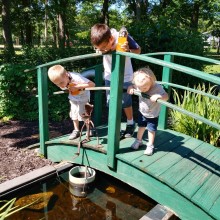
[126, 98]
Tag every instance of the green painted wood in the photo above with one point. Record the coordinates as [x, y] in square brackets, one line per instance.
[130, 155]
[166, 77]
[190, 89]
[98, 95]
[149, 184]
[115, 107]
[215, 211]
[205, 59]
[189, 196]
[180, 68]
[209, 192]
[126, 142]
[184, 111]
[161, 165]
[66, 60]
[160, 192]
[181, 169]
[144, 161]
[134, 177]
[61, 153]
[199, 175]
[43, 108]
[93, 143]
[69, 154]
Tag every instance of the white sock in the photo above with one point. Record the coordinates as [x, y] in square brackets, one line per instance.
[130, 122]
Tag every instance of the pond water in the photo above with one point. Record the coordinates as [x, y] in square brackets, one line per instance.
[110, 199]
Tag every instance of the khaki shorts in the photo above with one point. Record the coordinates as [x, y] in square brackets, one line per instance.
[76, 110]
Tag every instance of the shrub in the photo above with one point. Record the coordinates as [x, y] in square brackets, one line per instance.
[18, 89]
[17, 99]
[18, 92]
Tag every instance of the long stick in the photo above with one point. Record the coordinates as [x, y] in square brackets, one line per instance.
[88, 88]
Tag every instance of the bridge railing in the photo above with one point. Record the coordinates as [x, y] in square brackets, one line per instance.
[43, 94]
[114, 121]
[168, 66]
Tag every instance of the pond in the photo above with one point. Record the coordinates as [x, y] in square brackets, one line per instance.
[110, 199]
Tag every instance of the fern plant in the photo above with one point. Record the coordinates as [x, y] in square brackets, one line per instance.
[201, 105]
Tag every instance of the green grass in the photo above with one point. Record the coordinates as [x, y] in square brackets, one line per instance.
[210, 68]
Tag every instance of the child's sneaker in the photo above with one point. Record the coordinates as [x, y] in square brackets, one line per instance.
[149, 150]
[75, 134]
[129, 131]
[136, 144]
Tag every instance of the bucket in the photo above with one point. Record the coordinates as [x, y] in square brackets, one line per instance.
[81, 180]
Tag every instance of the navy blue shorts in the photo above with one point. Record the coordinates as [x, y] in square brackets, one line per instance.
[126, 98]
[150, 123]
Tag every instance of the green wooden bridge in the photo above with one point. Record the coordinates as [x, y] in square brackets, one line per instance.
[183, 174]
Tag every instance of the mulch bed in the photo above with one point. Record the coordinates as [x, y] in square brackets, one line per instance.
[16, 136]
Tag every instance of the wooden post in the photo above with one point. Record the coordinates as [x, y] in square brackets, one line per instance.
[166, 77]
[43, 108]
[115, 107]
[98, 95]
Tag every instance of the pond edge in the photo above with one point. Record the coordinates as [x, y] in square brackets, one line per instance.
[11, 186]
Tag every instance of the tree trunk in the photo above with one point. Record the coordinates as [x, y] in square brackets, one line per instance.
[104, 16]
[62, 7]
[54, 33]
[22, 37]
[6, 23]
[27, 25]
[46, 23]
[138, 10]
[218, 47]
[29, 34]
[195, 16]
[61, 31]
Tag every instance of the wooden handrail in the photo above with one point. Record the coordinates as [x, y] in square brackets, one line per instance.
[190, 56]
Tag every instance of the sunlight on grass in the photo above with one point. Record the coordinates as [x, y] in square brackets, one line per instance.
[210, 68]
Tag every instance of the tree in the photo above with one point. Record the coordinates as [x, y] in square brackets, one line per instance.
[216, 33]
[27, 22]
[6, 23]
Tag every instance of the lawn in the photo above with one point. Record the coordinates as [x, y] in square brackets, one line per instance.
[210, 68]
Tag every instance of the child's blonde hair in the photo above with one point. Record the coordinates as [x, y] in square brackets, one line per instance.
[56, 72]
[141, 74]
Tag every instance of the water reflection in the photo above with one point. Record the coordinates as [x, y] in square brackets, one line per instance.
[110, 200]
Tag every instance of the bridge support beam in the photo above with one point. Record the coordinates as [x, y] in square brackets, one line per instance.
[115, 107]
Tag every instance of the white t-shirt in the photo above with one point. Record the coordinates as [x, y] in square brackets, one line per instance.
[107, 60]
[148, 108]
[85, 94]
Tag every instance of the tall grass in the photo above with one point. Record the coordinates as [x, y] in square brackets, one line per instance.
[202, 105]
